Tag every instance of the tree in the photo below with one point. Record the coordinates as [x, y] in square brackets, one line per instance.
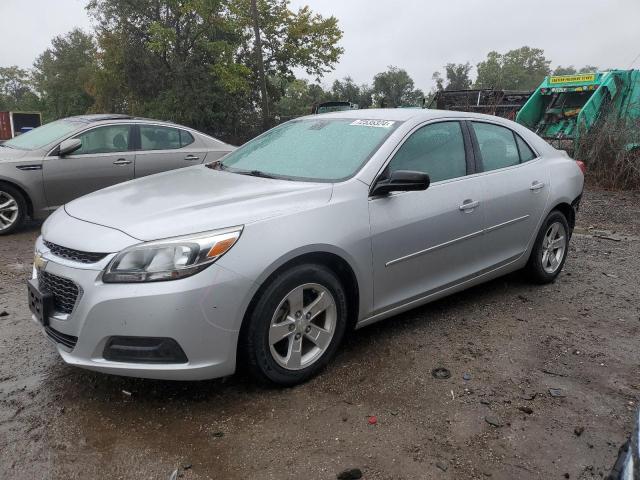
[457, 77]
[210, 64]
[297, 98]
[560, 70]
[63, 75]
[520, 69]
[347, 90]
[395, 88]
[287, 40]
[16, 90]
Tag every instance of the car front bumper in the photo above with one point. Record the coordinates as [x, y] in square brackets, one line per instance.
[202, 313]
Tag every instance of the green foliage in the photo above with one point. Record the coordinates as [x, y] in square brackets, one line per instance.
[395, 88]
[63, 75]
[347, 90]
[520, 69]
[16, 90]
[571, 70]
[457, 77]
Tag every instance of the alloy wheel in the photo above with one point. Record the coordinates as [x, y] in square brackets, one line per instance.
[554, 245]
[302, 326]
[8, 210]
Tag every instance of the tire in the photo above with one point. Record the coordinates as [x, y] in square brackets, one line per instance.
[545, 264]
[13, 214]
[277, 315]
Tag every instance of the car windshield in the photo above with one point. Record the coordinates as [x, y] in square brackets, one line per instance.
[41, 136]
[311, 149]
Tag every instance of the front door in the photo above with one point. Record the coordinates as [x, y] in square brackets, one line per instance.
[516, 185]
[104, 159]
[425, 241]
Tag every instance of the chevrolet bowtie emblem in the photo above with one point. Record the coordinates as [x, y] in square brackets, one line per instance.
[38, 262]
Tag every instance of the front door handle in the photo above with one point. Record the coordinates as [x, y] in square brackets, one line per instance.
[191, 158]
[536, 186]
[122, 161]
[468, 205]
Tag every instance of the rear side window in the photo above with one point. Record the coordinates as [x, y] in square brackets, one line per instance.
[526, 153]
[185, 138]
[107, 139]
[497, 146]
[154, 137]
[436, 149]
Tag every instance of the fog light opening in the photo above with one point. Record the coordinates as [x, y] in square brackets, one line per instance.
[144, 350]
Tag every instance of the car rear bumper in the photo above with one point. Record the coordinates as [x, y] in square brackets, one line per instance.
[202, 314]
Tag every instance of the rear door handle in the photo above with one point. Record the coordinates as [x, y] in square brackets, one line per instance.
[191, 158]
[468, 205]
[536, 186]
[122, 161]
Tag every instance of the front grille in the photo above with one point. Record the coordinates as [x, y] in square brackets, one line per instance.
[65, 292]
[68, 341]
[75, 255]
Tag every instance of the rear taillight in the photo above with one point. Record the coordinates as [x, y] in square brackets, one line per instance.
[582, 166]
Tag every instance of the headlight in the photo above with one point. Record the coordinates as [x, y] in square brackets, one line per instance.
[170, 259]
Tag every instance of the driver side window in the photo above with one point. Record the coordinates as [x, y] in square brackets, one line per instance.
[107, 139]
[436, 149]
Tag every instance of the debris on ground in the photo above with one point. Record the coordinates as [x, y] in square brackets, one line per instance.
[372, 420]
[494, 421]
[442, 465]
[527, 410]
[350, 474]
[4, 313]
[578, 431]
[441, 373]
[466, 376]
[557, 393]
[126, 392]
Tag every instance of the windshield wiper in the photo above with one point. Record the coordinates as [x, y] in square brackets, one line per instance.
[256, 173]
[217, 165]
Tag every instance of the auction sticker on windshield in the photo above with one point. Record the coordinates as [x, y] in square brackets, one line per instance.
[373, 123]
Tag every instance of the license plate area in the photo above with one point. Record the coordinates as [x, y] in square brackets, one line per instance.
[40, 303]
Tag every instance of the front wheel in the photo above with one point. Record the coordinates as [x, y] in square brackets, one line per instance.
[550, 249]
[296, 325]
[13, 209]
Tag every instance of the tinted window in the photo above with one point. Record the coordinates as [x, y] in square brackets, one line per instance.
[436, 149]
[107, 139]
[314, 149]
[154, 137]
[526, 153]
[497, 146]
[185, 138]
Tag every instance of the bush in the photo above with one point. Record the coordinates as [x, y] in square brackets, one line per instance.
[611, 152]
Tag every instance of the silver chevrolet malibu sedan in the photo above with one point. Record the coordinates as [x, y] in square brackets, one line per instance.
[266, 257]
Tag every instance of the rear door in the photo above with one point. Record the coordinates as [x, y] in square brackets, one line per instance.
[163, 148]
[104, 159]
[424, 241]
[516, 186]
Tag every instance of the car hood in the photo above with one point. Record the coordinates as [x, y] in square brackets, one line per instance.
[8, 154]
[192, 200]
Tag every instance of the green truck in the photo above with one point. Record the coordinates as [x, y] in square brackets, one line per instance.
[564, 108]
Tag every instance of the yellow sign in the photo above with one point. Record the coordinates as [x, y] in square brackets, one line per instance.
[573, 78]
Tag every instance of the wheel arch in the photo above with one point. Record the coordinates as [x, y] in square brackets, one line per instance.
[333, 260]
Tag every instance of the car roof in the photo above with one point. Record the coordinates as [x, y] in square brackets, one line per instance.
[105, 117]
[402, 114]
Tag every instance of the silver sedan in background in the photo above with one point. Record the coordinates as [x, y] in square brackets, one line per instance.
[324, 223]
[62, 160]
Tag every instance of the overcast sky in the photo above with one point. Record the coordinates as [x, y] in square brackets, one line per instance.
[417, 35]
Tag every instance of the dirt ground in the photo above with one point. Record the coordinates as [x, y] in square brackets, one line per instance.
[505, 343]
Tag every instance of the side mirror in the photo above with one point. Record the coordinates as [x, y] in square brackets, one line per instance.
[401, 181]
[69, 146]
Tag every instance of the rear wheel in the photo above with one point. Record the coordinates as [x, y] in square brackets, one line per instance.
[296, 325]
[550, 249]
[13, 209]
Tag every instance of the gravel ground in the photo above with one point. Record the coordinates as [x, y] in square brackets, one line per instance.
[506, 343]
